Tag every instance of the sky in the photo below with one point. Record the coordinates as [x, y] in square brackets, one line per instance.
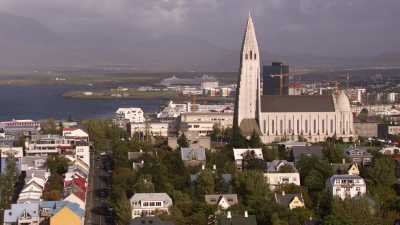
[334, 28]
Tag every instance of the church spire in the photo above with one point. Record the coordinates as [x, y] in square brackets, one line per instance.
[250, 39]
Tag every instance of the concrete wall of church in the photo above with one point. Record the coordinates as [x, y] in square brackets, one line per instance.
[314, 126]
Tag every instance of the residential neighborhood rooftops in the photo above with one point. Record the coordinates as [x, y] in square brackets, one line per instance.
[239, 153]
[188, 154]
[17, 210]
[313, 150]
[152, 197]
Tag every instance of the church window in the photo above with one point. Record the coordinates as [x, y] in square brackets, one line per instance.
[265, 126]
[306, 126]
[247, 56]
[298, 126]
[281, 127]
[347, 126]
[251, 54]
[315, 126]
[331, 126]
[290, 126]
[323, 126]
[255, 56]
[273, 126]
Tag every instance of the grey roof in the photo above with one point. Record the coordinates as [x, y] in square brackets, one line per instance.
[38, 162]
[275, 165]
[237, 220]
[285, 199]
[55, 206]
[11, 215]
[313, 150]
[42, 174]
[297, 103]
[358, 152]
[150, 221]
[214, 199]
[188, 154]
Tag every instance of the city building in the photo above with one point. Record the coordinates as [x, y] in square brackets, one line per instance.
[290, 201]
[307, 151]
[158, 129]
[22, 214]
[203, 123]
[346, 186]
[193, 156]
[223, 201]
[148, 204]
[15, 152]
[366, 129]
[241, 153]
[75, 133]
[386, 130]
[20, 127]
[359, 155]
[281, 172]
[123, 116]
[276, 79]
[356, 95]
[280, 117]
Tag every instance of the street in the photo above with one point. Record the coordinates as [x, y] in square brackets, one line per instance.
[96, 206]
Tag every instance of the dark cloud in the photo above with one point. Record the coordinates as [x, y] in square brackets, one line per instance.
[317, 27]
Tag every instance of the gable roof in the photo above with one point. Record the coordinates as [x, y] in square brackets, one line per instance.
[12, 215]
[149, 221]
[286, 199]
[152, 197]
[188, 154]
[216, 198]
[239, 153]
[297, 103]
[313, 150]
[237, 220]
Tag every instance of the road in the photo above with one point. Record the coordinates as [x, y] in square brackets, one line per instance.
[94, 201]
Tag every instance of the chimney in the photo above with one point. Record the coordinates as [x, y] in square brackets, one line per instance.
[229, 215]
[283, 193]
[246, 214]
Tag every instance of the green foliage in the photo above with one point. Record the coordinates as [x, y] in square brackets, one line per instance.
[334, 152]
[255, 140]
[183, 142]
[205, 183]
[252, 187]
[57, 164]
[54, 187]
[50, 127]
[363, 115]
[237, 139]
[123, 210]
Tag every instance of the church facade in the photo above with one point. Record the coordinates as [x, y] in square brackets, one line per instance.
[285, 117]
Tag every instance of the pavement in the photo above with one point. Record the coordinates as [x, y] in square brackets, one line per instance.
[93, 200]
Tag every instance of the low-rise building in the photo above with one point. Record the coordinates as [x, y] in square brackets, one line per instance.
[194, 140]
[75, 133]
[281, 172]
[204, 122]
[20, 127]
[123, 116]
[68, 216]
[366, 129]
[346, 168]
[149, 204]
[346, 186]
[240, 153]
[386, 131]
[193, 156]
[22, 214]
[307, 151]
[155, 129]
[223, 201]
[15, 152]
[291, 201]
[359, 155]
[390, 150]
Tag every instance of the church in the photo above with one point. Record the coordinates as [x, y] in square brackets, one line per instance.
[285, 117]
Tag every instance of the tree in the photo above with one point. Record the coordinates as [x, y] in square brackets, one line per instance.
[251, 185]
[237, 139]
[49, 127]
[205, 183]
[363, 115]
[123, 210]
[57, 164]
[255, 140]
[183, 142]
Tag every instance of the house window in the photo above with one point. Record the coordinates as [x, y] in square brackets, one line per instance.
[247, 56]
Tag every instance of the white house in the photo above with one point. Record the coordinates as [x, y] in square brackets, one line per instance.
[223, 201]
[203, 122]
[75, 199]
[124, 116]
[281, 172]
[240, 153]
[83, 153]
[16, 152]
[159, 129]
[148, 204]
[346, 186]
[75, 133]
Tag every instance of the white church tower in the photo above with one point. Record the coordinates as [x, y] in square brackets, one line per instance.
[247, 107]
